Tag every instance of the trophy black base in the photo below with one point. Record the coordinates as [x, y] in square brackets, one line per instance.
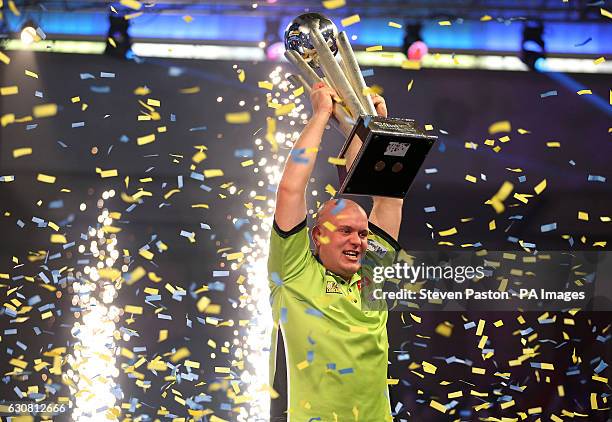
[389, 159]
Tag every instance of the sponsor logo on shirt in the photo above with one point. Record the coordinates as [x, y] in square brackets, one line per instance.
[377, 248]
[332, 287]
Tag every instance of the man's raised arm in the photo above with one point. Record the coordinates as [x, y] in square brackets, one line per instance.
[386, 212]
[291, 194]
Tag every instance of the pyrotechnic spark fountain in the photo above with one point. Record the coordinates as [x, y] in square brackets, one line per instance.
[92, 372]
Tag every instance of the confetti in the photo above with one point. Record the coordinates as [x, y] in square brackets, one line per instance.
[143, 140]
[132, 4]
[44, 110]
[9, 90]
[45, 178]
[350, 20]
[501, 126]
[21, 152]
[333, 4]
[238, 118]
[4, 58]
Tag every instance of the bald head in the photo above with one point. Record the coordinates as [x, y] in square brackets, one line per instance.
[334, 209]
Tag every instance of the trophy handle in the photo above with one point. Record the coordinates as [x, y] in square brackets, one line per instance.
[353, 72]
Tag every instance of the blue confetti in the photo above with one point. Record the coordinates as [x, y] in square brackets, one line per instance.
[345, 371]
[87, 76]
[602, 365]
[314, 312]
[197, 129]
[276, 279]
[548, 94]
[100, 89]
[595, 178]
[340, 204]
[107, 75]
[430, 209]
[367, 72]
[78, 124]
[431, 170]
[441, 146]
[196, 176]
[283, 315]
[522, 179]
[243, 153]
[548, 227]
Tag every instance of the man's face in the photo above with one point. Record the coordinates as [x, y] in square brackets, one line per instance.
[341, 250]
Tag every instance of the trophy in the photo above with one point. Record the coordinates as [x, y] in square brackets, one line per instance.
[392, 149]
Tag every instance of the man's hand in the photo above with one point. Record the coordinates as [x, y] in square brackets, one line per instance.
[322, 98]
[379, 103]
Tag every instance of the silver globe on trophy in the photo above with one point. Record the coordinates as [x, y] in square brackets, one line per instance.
[392, 149]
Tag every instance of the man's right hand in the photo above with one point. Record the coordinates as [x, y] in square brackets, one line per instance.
[322, 99]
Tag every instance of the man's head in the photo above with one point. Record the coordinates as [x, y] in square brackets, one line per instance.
[340, 236]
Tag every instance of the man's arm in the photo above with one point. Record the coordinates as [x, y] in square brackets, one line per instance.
[386, 212]
[291, 194]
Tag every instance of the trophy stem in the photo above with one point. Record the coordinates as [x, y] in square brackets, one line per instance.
[353, 72]
[333, 71]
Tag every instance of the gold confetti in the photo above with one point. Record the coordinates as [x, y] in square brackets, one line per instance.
[31, 74]
[132, 4]
[44, 110]
[45, 178]
[448, 232]
[58, 238]
[599, 60]
[603, 12]
[485, 18]
[241, 75]
[183, 353]
[131, 309]
[470, 178]
[20, 152]
[394, 24]
[143, 140]
[9, 90]
[374, 48]
[238, 118]
[584, 92]
[438, 406]
[154, 103]
[4, 58]
[410, 84]
[191, 90]
[553, 144]
[348, 21]
[265, 85]
[501, 126]
[337, 161]
[540, 187]
[444, 23]
[333, 4]
[497, 201]
[213, 173]
[285, 109]
[188, 18]
[583, 215]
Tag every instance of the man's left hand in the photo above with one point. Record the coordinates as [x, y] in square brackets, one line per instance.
[379, 104]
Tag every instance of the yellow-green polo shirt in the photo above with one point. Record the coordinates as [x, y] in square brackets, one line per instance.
[336, 352]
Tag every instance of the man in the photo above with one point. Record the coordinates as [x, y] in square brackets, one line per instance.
[336, 347]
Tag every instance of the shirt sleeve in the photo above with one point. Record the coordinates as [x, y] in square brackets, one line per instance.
[289, 254]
